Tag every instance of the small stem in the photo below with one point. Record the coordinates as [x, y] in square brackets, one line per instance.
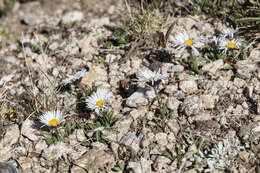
[193, 62]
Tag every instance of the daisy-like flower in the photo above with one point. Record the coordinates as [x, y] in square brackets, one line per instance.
[183, 40]
[228, 32]
[52, 118]
[149, 76]
[98, 100]
[76, 76]
[226, 44]
[27, 40]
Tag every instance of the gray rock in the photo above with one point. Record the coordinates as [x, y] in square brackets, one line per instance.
[88, 45]
[142, 166]
[98, 22]
[136, 113]
[73, 16]
[147, 140]
[170, 89]
[161, 139]
[173, 126]
[95, 160]
[12, 135]
[140, 97]
[212, 67]
[26, 163]
[11, 59]
[123, 125]
[208, 101]
[5, 153]
[96, 73]
[41, 145]
[6, 79]
[110, 135]
[56, 151]
[29, 131]
[188, 86]
[30, 18]
[53, 46]
[18, 152]
[245, 68]
[162, 164]
[80, 135]
[192, 105]
[132, 141]
[173, 103]
[7, 168]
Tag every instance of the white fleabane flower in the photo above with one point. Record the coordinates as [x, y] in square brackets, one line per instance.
[226, 44]
[98, 100]
[27, 40]
[228, 32]
[149, 76]
[52, 118]
[72, 78]
[183, 40]
[80, 74]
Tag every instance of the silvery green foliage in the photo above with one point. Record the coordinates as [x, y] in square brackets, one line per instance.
[222, 155]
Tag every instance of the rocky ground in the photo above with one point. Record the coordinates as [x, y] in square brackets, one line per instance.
[197, 120]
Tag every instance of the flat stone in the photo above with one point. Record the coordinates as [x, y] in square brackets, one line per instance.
[161, 139]
[174, 126]
[25, 162]
[245, 68]
[136, 99]
[208, 101]
[123, 125]
[29, 131]
[11, 59]
[80, 135]
[188, 86]
[94, 74]
[41, 145]
[12, 135]
[77, 169]
[212, 67]
[88, 46]
[7, 168]
[18, 152]
[6, 79]
[30, 18]
[132, 141]
[136, 113]
[140, 97]
[73, 16]
[192, 105]
[56, 150]
[142, 166]
[5, 153]
[95, 160]
[173, 103]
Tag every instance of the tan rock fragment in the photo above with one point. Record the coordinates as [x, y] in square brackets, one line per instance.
[96, 73]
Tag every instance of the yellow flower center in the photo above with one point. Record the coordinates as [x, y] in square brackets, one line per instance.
[100, 103]
[231, 44]
[189, 42]
[53, 122]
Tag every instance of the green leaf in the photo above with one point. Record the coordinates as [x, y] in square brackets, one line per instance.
[228, 67]
[44, 132]
[248, 19]
[117, 169]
